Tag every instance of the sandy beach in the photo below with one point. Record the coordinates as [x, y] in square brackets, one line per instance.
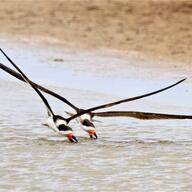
[160, 29]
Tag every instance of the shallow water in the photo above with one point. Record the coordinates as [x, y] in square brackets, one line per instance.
[130, 155]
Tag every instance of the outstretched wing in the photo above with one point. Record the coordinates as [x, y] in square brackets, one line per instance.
[140, 115]
[50, 112]
[124, 100]
[12, 72]
[18, 76]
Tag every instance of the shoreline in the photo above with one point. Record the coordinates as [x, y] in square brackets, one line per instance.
[136, 64]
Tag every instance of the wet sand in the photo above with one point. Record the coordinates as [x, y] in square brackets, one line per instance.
[159, 29]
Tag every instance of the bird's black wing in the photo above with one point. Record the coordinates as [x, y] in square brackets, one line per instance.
[124, 100]
[140, 115]
[29, 82]
[18, 76]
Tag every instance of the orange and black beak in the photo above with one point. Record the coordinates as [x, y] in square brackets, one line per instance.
[92, 133]
[72, 138]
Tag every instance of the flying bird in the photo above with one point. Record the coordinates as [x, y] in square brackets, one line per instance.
[55, 122]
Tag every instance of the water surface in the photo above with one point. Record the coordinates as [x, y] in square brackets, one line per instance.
[130, 155]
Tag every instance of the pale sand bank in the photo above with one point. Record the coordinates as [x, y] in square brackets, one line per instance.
[161, 29]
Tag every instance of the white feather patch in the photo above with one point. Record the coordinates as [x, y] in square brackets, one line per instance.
[60, 122]
[84, 116]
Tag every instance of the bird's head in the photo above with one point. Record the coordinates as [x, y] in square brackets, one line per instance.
[65, 129]
[89, 127]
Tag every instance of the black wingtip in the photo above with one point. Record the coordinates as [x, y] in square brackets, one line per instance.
[180, 81]
[183, 79]
[8, 58]
[2, 51]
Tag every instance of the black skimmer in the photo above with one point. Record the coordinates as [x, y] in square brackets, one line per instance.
[86, 115]
[55, 122]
